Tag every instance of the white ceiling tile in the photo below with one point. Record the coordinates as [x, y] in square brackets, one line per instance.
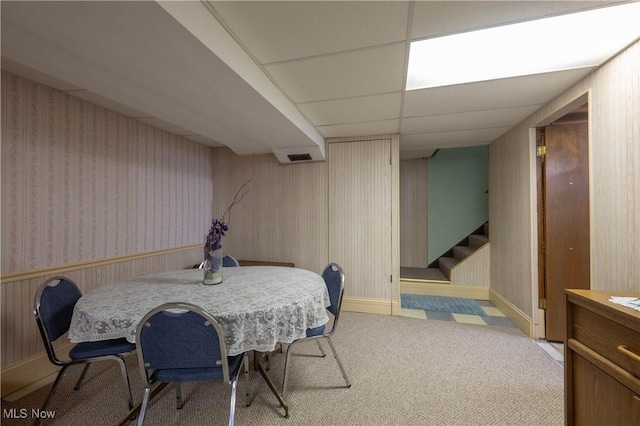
[341, 63]
[494, 94]
[343, 75]
[436, 18]
[452, 139]
[467, 120]
[360, 129]
[365, 108]
[278, 31]
[410, 154]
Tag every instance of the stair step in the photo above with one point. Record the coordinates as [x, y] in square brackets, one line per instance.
[460, 252]
[426, 274]
[445, 264]
[477, 240]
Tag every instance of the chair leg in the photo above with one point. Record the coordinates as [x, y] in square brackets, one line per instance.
[320, 347]
[143, 408]
[246, 381]
[51, 392]
[127, 383]
[81, 378]
[179, 401]
[335, 354]
[232, 408]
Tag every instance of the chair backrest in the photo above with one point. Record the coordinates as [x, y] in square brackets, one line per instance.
[229, 261]
[53, 309]
[334, 279]
[180, 335]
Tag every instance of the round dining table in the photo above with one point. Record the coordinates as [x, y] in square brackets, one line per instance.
[257, 306]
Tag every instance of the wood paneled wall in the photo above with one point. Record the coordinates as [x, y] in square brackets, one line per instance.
[474, 271]
[413, 213]
[360, 231]
[614, 143]
[291, 211]
[364, 234]
[282, 218]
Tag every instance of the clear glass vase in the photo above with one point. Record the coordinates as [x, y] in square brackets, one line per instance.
[212, 267]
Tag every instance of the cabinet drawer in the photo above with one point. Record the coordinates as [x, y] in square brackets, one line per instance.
[614, 341]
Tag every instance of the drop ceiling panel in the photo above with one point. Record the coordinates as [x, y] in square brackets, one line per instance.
[452, 139]
[467, 120]
[494, 94]
[365, 108]
[281, 31]
[435, 18]
[360, 129]
[410, 154]
[340, 64]
[343, 75]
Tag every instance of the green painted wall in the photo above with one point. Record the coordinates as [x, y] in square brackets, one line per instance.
[457, 198]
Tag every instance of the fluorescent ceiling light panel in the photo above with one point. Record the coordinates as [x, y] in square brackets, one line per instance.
[577, 40]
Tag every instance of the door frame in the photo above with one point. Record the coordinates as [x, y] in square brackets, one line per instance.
[538, 326]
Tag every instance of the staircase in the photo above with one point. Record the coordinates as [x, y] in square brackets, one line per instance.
[440, 269]
[442, 266]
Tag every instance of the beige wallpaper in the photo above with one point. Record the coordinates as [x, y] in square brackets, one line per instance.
[614, 139]
[413, 213]
[80, 182]
[283, 217]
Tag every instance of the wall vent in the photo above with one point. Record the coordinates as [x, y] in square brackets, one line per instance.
[299, 157]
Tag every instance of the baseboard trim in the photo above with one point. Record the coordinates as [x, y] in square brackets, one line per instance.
[29, 374]
[519, 318]
[439, 289]
[370, 306]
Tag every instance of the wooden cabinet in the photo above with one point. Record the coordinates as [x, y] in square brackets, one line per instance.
[602, 360]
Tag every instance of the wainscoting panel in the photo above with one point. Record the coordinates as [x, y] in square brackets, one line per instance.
[20, 336]
[474, 270]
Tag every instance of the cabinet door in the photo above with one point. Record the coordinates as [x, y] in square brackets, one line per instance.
[599, 399]
[360, 222]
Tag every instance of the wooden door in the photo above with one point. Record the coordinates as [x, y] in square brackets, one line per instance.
[565, 229]
[360, 226]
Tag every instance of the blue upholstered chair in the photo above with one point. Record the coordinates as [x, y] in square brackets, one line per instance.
[181, 342]
[334, 279]
[53, 309]
[229, 261]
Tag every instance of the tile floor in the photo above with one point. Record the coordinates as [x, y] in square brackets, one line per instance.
[493, 317]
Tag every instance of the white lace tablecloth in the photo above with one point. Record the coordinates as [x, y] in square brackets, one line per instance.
[257, 306]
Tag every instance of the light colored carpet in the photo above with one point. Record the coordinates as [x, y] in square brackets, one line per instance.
[404, 371]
